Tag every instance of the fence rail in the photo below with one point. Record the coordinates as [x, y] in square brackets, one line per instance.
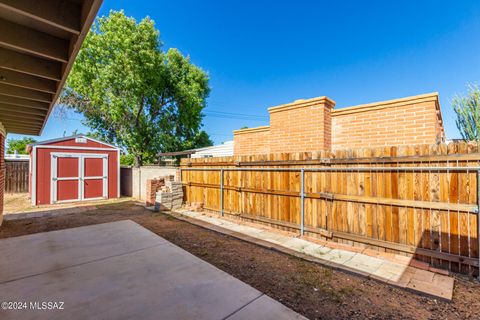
[398, 200]
[16, 176]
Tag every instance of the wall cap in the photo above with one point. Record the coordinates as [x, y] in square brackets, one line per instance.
[302, 103]
[250, 130]
[389, 104]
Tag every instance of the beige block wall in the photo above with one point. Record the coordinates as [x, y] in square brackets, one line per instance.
[251, 141]
[408, 121]
[142, 174]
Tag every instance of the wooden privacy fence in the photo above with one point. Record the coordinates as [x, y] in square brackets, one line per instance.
[414, 200]
[16, 176]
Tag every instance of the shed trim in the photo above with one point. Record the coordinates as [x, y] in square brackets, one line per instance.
[70, 138]
[75, 148]
[33, 165]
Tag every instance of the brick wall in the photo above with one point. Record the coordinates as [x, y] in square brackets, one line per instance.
[2, 171]
[313, 125]
[251, 141]
[304, 125]
[407, 121]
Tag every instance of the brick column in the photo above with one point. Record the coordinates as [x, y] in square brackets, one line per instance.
[2, 170]
[301, 126]
[153, 185]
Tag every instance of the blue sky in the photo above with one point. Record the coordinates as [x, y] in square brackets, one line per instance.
[264, 53]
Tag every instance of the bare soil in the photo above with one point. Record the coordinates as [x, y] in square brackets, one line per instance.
[315, 291]
[21, 203]
[16, 202]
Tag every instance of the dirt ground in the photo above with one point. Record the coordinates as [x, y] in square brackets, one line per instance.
[308, 288]
[21, 202]
[16, 202]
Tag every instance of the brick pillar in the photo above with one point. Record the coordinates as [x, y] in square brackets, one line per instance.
[153, 185]
[327, 123]
[2, 173]
[301, 126]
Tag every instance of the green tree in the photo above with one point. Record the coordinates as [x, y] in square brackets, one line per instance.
[467, 108]
[19, 145]
[127, 160]
[132, 93]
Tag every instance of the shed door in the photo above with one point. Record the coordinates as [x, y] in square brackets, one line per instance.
[77, 177]
[95, 181]
[65, 178]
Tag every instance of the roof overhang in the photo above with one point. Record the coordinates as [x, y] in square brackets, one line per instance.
[177, 153]
[39, 41]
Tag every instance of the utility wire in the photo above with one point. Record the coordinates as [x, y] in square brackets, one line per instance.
[233, 115]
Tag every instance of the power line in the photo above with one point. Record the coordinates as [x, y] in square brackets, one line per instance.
[236, 118]
[221, 134]
[233, 115]
[236, 114]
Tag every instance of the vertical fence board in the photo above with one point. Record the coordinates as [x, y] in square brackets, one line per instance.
[16, 176]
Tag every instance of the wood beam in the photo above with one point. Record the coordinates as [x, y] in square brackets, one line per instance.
[34, 66]
[25, 93]
[23, 131]
[18, 37]
[21, 123]
[28, 121]
[12, 101]
[22, 110]
[20, 130]
[28, 128]
[61, 14]
[27, 81]
[18, 115]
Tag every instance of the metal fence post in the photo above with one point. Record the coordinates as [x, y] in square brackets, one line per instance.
[221, 192]
[478, 219]
[302, 202]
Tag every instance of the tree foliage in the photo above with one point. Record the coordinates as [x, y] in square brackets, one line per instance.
[132, 93]
[467, 108]
[127, 160]
[19, 145]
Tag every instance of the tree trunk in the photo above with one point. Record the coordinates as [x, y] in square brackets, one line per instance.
[138, 161]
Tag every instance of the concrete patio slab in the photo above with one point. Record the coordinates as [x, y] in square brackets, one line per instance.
[152, 279]
[44, 252]
[399, 274]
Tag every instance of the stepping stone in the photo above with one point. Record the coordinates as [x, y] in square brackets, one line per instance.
[338, 256]
[390, 271]
[364, 263]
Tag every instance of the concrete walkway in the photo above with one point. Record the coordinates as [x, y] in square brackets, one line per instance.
[397, 274]
[120, 270]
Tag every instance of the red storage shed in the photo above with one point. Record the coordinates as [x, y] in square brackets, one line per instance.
[75, 168]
